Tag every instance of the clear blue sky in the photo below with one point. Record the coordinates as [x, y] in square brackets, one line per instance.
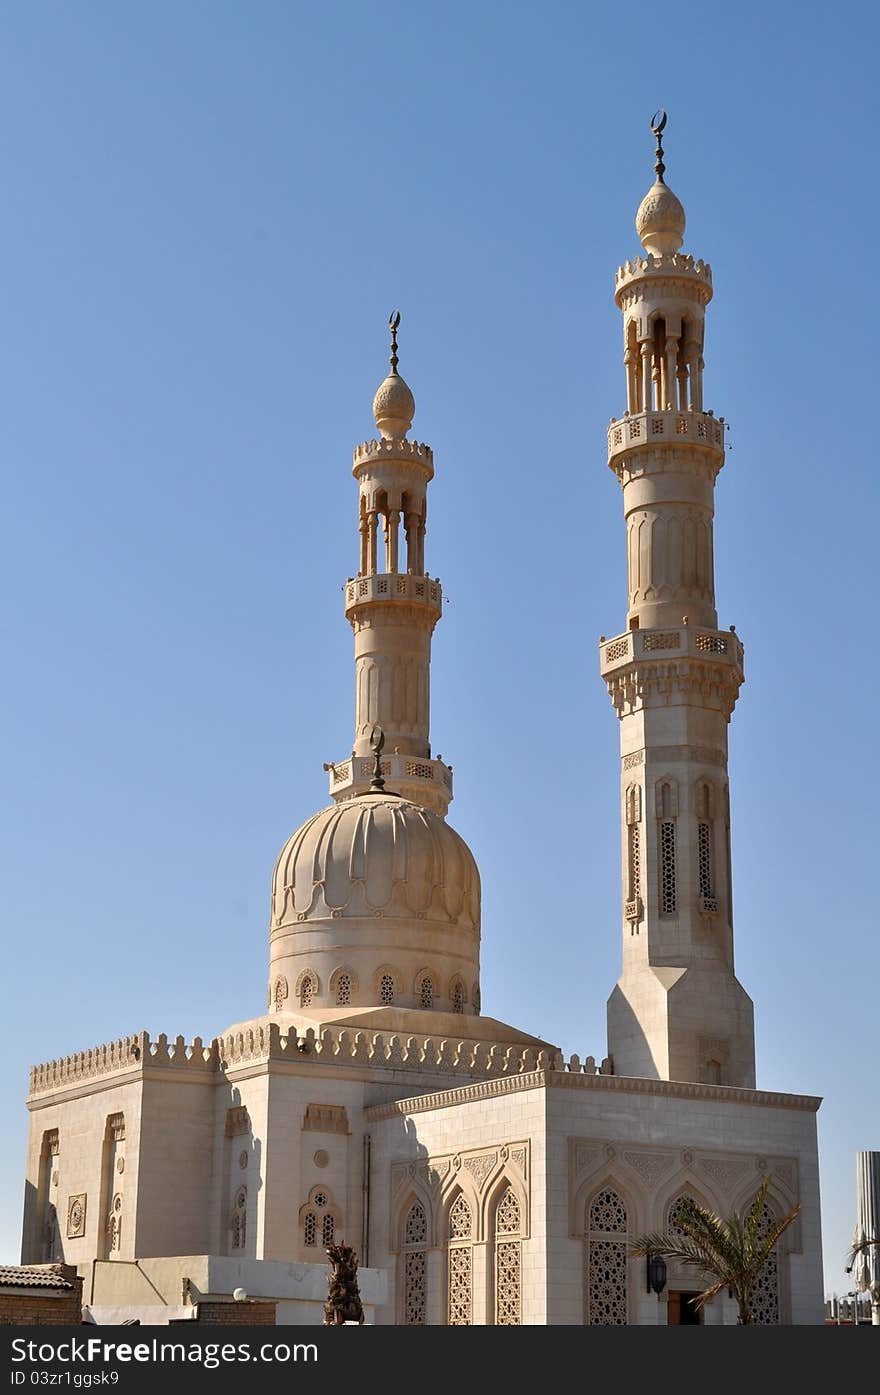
[209, 209]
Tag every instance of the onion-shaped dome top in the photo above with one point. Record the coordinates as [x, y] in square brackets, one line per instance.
[376, 855]
[394, 406]
[660, 221]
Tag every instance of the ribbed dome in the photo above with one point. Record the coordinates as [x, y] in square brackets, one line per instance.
[376, 855]
[394, 406]
[660, 221]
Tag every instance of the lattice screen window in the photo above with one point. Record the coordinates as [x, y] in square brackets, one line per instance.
[605, 1260]
[459, 1264]
[704, 853]
[508, 1261]
[415, 1238]
[765, 1295]
[634, 859]
[386, 990]
[460, 1286]
[426, 993]
[343, 989]
[667, 867]
[306, 991]
[457, 996]
[319, 1218]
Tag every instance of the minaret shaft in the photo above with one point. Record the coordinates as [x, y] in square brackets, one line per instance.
[393, 606]
[678, 1011]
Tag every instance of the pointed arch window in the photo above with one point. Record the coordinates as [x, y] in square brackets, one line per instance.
[386, 990]
[765, 1295]
[508, 1260]
[319, 1219]
[606, 1227]
[414, 1266]
[459, 1264]
[456, 995]
[667, 813]
[633, 811]
[307, 990]
[705, 841]
[426, 992]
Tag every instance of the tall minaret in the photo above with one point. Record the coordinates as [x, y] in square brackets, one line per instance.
[393, 605]
[678, 1012]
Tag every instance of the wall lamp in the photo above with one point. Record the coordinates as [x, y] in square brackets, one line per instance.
[656, 1274]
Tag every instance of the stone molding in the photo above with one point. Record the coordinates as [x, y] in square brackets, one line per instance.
[676, 1089]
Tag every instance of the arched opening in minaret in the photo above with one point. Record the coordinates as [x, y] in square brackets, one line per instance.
[658, 368]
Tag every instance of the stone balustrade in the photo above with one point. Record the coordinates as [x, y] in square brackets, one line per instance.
[639, 429]
[394, 586]
[683, 641]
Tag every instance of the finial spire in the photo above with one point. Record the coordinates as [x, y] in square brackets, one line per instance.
[658, 124]
[393, 323]
[377, 741]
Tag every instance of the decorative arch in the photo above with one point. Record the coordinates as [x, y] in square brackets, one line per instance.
[457, 993]
[278, 991]
[607, 1229]
[414, 1231]
[507, 1215]
[343, 985]
[770, 1297]
[666, 806]
[307, 988]
[460, 1232]
[387, 985]
[319, 1219]
[425, 988]
[684, 1182]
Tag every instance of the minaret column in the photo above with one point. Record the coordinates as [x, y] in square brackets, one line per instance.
[678, 1012]
[393, 612]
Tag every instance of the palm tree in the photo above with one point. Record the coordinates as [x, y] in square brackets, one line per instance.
[730, 1252]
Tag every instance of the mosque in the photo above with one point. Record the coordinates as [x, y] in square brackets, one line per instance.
[482, 1177]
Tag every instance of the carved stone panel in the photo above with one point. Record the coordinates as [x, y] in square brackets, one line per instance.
[76, 1216]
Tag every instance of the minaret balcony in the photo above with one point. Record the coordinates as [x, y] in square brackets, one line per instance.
[685, 641]
[394, 588]
[424, 780]
[640, 429]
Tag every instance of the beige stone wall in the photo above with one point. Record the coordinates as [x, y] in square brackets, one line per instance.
[648, 1146]
[72, 1189]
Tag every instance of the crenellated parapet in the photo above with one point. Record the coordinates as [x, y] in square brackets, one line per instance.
[131, 1054]
[398, 447]
[349, 1047]
[679, 273]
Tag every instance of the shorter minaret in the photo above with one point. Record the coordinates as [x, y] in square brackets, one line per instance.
[392, 606]
[678, 1011]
